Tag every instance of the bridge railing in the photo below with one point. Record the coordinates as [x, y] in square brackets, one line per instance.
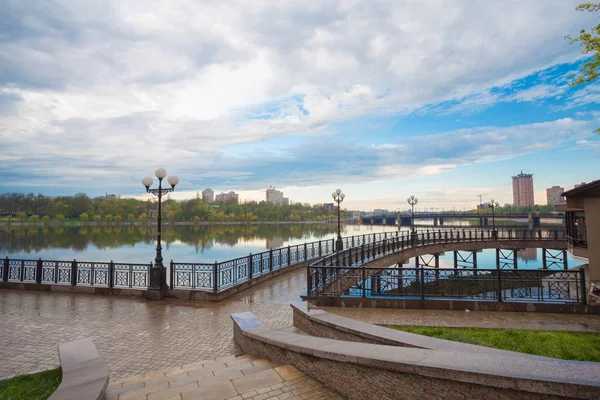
[340, 269]
[219, 276]
[450, 283]
[77, 273]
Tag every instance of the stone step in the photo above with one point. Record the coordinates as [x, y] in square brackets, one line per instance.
[243, 377]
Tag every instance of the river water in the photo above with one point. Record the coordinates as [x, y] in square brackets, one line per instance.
[201, 243]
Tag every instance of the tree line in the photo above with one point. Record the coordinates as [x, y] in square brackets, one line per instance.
[31, 207]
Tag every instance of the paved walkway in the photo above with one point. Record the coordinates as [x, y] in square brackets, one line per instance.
[132, 335]
[475, 319]
[135, 336]
[232, 378]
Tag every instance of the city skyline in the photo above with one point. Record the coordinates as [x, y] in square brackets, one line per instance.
[381, 99]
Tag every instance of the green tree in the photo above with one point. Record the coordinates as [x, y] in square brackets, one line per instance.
[97, 218]
[590, 45]
[21, 216]
[83, 217]
[45, 218]
[130, 217]
[34, 218]
[59, 217]
[143, 218]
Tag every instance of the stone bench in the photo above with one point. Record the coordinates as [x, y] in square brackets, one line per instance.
[84, 373]
[374, 371]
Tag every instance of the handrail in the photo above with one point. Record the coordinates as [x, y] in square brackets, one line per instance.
[220, 276]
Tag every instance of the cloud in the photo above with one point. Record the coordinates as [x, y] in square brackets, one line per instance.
[106, 90]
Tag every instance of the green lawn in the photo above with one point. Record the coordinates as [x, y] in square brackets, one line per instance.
[580, 346]
[31, 387]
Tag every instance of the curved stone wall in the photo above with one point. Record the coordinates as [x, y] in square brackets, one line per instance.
[365, 371]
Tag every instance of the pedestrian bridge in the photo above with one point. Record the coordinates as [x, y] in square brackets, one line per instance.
[374, 274]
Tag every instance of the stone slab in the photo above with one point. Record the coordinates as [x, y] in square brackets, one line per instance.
[259, 380]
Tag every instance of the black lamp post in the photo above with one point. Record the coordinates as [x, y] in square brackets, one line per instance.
[338, 197]
[412, 200]
[158, 275]
[493, 204]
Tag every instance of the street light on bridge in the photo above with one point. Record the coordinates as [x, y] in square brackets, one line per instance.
[338, 197]
[412, 200]
[493, 204]
[158, 274]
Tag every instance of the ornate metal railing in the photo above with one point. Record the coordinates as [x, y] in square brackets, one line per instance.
[219, 276]
[343, 273]
[449, 283]
[368, 252]
[77, 273]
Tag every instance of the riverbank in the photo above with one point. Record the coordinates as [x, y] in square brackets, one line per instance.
[166, 223]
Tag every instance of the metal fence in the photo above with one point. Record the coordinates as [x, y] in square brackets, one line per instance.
[219, 276]
[77, 273]
[343, 273]
[449, 283]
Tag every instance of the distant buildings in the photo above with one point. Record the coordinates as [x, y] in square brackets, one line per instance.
[523, 190]
[231, 197]
[554, 195]
[208, 196]
[276, 197]
[329, 206]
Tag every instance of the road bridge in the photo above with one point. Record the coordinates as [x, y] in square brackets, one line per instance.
[439, 219]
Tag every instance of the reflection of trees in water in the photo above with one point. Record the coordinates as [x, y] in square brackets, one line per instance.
[201, 237]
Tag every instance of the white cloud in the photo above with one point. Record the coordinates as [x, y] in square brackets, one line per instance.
[118, 86]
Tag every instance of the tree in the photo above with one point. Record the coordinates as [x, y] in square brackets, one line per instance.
[59, 217]
[34, 218]
[83, 217]
[21, 216]
[590, 44]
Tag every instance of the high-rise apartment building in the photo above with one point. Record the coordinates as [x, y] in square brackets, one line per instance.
[553, 195]
[276, 197]
[208, 196]
[523, 190]
[231, 197]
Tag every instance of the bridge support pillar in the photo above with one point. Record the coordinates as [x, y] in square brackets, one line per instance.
[405, 221]
[441, 221]
[435, 221]
[485, 221]
[506, 259]
[536, 222]
[465, 259]
[554, 259]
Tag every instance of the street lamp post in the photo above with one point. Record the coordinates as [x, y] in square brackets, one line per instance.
[338, 197]
[412, 200]
[494, 204]
[157, 289]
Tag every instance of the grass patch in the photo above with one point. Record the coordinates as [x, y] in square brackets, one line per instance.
[31, 387]
[578, 346]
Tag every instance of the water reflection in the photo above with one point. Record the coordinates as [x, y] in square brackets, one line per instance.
[135, 243]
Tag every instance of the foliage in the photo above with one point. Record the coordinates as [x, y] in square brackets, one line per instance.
[590, 44]
[84, 208]
[31, 387]
[580, 346]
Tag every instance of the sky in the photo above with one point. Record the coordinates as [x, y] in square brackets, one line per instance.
[444, 100]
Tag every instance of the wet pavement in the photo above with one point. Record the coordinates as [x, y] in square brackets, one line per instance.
[133, 336]
[136, 336]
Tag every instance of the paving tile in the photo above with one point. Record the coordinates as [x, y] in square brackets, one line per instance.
[258, 368]
[259, 380]
[142, 392]
[173, 392]
[210, 389]
[288, 372]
